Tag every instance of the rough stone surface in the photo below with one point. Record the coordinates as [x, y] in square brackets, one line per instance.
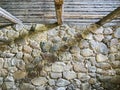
[69, 75]
[87, 52]
[62, 82]
[117, 33]
[101, 58]
[59, 58]
[39, 81]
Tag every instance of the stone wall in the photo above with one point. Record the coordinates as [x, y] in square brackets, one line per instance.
[59, 59]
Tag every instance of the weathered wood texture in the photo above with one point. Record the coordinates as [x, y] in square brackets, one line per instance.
[112, 15]
[75, 11]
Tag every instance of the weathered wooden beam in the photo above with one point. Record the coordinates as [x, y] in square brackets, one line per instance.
[58, 8]
[114, 14]
[9, 17]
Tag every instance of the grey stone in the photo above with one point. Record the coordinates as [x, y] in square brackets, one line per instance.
[108, 30]
[52, 32]
[21, 65]
[39, 81]
[99, 47]
[19, 55]
[92, 69]
[9, 86]
[113, 42]
[61, 88]
[1, 81]
[87, 52]
[74, 49]
[70, 87]
[117, 33]
[1, 63]
[62, 82]
[56, 39]
[68, 67]
[83, 77]
[101, 58]
[54, 48]
[77, 83]
[58, 67]
[51, 82]
[40, 88]
[66, 56]
[69, 75]
[71, 31]
[9, 79]
[55, 75]
[7, 55]
[27, 86]
[86, 86]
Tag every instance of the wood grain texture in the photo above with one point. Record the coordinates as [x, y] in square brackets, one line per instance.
[77, 12]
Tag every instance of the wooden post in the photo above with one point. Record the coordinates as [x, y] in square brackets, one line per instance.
[58, 8]
[109, 17]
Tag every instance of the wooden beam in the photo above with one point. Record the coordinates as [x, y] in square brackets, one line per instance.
[9, 17]
[58, 8]
[114, 14]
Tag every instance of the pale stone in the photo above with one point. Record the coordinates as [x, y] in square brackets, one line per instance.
[101, 58]
[58, 67]
[1, 63]
[89, 36]
[9, 79]
[86, 86]
[9, 86]
[1, 81]
[20, 75]
[84, 44]
[62, 82]
[87, 52]
[27, 49]
[39, 81]
[69, 75]
[74, 49]
[104, 66]
[79, 67]
[99, 37]
[114, 42]
[27, 86]
[3, 72]
[83, 77]
[34, 44]
[117, 33]
[108, 30]
[99, 47]
[61, 88]
[55, 75]
[99, 30]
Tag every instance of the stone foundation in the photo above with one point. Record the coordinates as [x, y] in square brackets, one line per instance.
[61, 58]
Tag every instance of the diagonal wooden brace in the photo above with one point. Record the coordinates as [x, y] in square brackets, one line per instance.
[58, 8]
[9, 17]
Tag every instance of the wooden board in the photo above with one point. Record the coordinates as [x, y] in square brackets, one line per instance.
[77, 12]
